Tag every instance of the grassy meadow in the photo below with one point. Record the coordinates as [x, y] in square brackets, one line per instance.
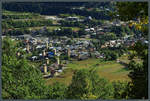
[110, 70]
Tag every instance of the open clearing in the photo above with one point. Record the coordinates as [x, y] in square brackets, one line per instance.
[110, 70]
[54, 27]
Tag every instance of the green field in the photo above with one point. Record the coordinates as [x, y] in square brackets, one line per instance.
[55, 27]
[110, 70]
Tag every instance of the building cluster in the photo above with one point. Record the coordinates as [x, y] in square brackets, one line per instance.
[49, 50]
[45, 49]
[102, 29]
[119, 42]
[73, 48]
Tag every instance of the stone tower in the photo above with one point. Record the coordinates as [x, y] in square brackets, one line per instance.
[47, 61]
[47, 45]
[68, 52]
[44, 53]
[45, 68]
[28, 47]
[58, 61]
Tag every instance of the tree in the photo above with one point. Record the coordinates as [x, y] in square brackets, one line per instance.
[139, 72]
[102, 88]
[81, 32]
[120, 89]
[110, 55]
[90, 86]
[57, 91]
[126, 11]
[20, 80]
[84, 87]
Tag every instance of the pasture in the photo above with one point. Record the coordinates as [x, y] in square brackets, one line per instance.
[110, 70]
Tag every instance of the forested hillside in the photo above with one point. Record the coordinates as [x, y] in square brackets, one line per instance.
[51, 8]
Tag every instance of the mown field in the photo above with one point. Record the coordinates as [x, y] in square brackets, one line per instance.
[54, 27]
[110, 70]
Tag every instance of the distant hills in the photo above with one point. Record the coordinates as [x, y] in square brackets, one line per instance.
[52, 8]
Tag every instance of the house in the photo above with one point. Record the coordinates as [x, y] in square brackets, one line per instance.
[52, 71]
[118, 44]
[119, 41]
[73, 54]
[93, 33]
[85, 43]
[34, 58]
[64, 37]
[39, 46]
[3, 36]
[92, 29]
[112, 42]
[82, 57]
[117, 60]
[99, 29]
[59, 71]
[40, 54]
[58, 48]
[72, 18]
[87, 30]
[100, 33]
[107, 9]
[88, 18]
[50, 17]
[54, 66]
[50, 54]
[146, 42]
[103, 46]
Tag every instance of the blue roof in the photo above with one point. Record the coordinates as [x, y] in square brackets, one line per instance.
[50, 53]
